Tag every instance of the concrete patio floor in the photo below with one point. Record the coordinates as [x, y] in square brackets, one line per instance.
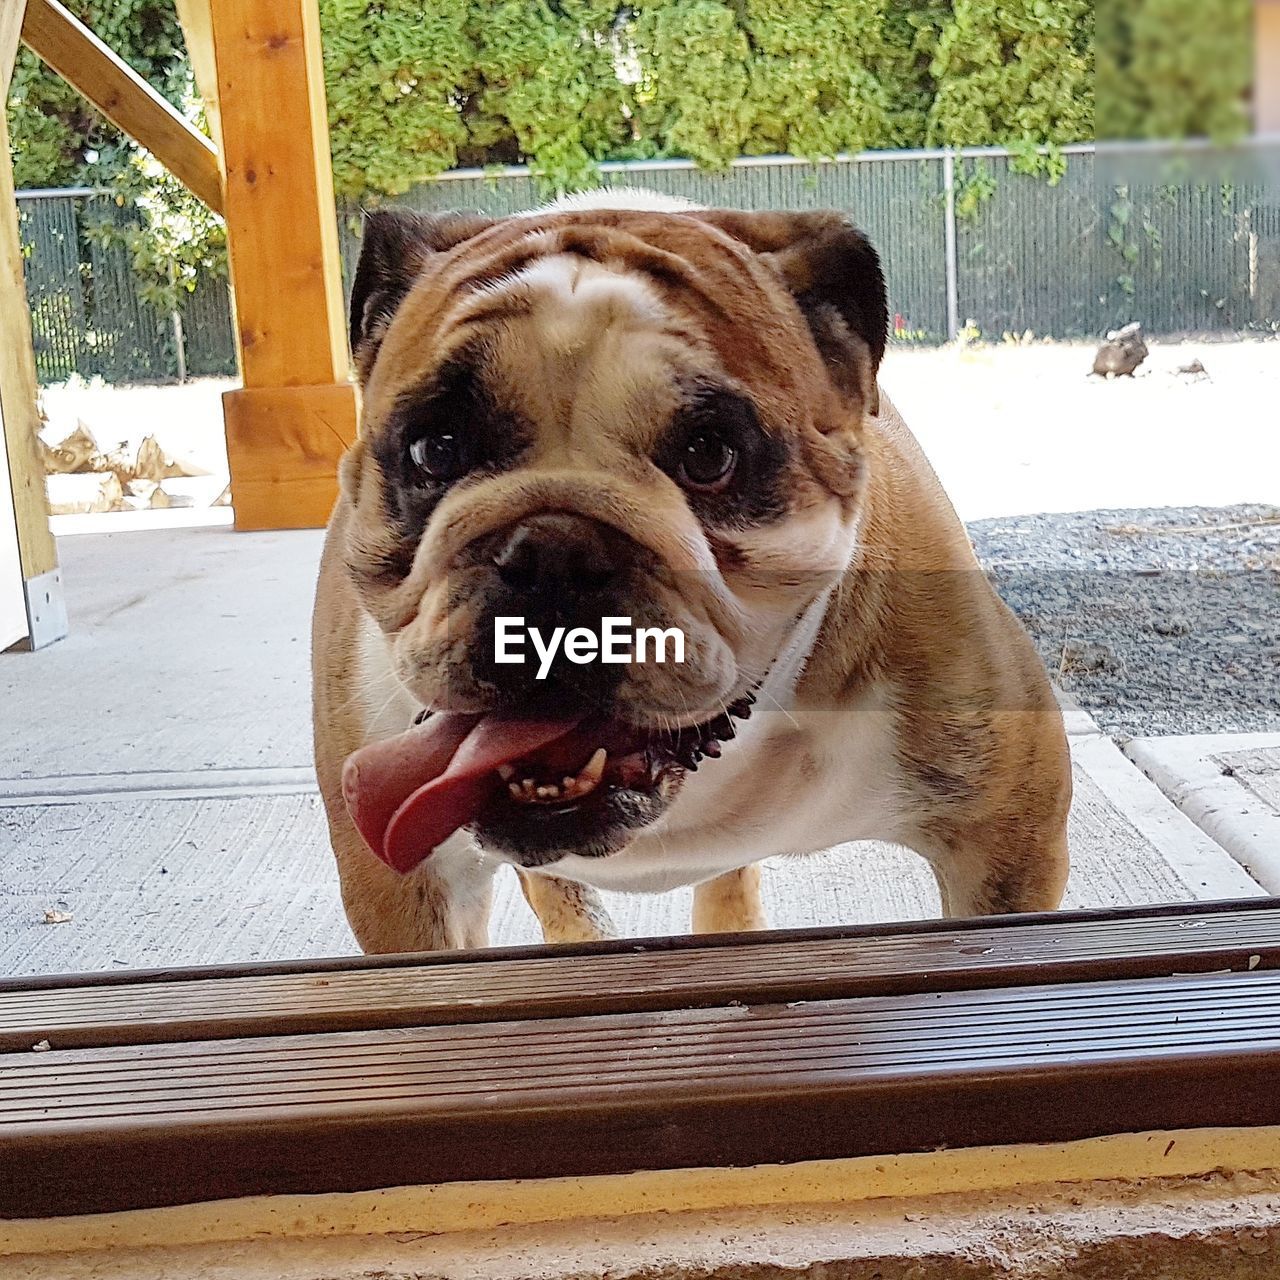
[156, 786]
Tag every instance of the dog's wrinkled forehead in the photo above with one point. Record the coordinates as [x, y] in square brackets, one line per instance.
[790, 306]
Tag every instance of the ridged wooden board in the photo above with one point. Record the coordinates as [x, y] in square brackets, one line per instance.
[622, 977]
[140, 1126]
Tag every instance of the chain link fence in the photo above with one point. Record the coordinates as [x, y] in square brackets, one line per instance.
[965, 239]
[90, 315]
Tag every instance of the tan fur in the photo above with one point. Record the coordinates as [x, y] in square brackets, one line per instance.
[918, 672]
[730, 903]
[566, 911]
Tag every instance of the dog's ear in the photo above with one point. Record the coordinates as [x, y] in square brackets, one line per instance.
[394, 248]
[834, 274]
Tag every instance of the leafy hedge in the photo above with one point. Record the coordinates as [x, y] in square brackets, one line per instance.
[563, 84]
[1173, 68]
[419, 86]
[54, 133]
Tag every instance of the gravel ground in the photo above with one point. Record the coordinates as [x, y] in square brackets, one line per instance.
[1158, 621]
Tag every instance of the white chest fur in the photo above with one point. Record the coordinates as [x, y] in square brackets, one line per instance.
[790, 783]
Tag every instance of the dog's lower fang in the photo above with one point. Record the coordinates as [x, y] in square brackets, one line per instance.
[590, 774]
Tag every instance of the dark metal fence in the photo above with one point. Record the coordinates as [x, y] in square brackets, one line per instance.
[89, 312]
[1185, 247]
[965, 239]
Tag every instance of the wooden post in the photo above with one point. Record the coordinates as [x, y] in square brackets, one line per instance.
[46, 615]
[297, 412]
[196, 17]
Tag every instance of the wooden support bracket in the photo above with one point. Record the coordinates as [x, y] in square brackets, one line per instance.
[284, 444]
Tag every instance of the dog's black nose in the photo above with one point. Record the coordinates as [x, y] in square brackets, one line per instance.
[558, 554]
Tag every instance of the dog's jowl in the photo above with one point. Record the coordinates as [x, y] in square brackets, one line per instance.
[592, 416]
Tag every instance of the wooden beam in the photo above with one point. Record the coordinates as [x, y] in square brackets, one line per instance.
[189, 1086]
[13, 596]
[781, 967]
[281, 224]
[282, 236]
[196, 17]
[11, 15]
[124, 97]
[19, 408]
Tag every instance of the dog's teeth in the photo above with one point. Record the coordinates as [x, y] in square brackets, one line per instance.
[568, 783]
[546, 793]
[514, 788]
[528, 789]
[593, 770]
[506, 772]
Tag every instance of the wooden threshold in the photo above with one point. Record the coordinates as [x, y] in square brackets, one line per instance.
[446, 988]
[755, 1050]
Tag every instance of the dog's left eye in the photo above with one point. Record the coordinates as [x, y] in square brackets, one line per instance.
[707, 460]
[439, 454]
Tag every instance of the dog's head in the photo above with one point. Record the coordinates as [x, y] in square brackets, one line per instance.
[574, 416]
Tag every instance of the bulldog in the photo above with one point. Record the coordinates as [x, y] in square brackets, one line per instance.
[667, 415]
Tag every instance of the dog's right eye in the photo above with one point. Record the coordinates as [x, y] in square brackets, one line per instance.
[706, 461]
[440, 455]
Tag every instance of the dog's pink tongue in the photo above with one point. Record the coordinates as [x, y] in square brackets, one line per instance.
[410, 793]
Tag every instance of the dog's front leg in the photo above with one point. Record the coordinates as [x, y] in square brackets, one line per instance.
[567, 912]
[730, 903]
[442, 905]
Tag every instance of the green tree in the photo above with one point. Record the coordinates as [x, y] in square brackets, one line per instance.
[58, 139]
[910, 43]
[694, 93]
[394, 71]
[546, 87]
[1011, 72]
[419, 86]
[815, 84]
[1174, 68]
